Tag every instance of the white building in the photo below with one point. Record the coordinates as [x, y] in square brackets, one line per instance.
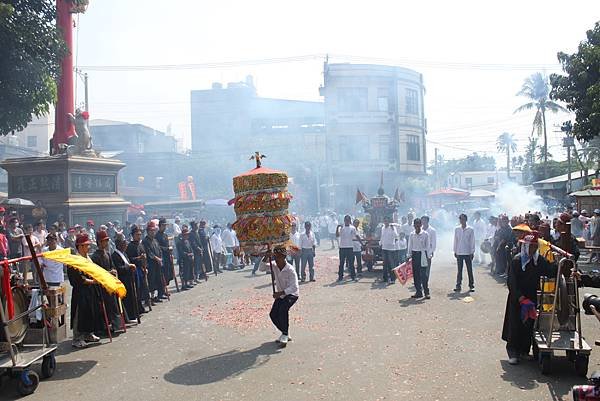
[489, 180]
[36, 136]
[375, 121]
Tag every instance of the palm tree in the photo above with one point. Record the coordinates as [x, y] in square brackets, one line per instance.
[506, 143]
[537, 89]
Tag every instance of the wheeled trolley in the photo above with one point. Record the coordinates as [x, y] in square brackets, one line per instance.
[16, 358]
[558, 326]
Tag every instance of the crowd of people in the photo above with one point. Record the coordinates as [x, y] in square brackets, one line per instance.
[143, 256]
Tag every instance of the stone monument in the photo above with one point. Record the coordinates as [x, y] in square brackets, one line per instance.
[78, 187]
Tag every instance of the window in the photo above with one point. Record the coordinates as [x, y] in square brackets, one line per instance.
[412, 102]
[354, 147]
[31, 141]
[352, 99]
[469, 182]
[413, 150]
[490, 180]
[382, 99]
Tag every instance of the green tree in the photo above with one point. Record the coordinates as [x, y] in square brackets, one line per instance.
[506, 143]
[30, 53]
[580, 87]
[537, 89]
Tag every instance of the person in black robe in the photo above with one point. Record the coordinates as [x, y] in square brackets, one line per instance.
[523, 283]
[185, 258]
[205, 246]
[154, 263]
[84, 302]
[126, 273]
[136, 254]
[565, 240]
[504, 237]
[102, 258]
[165, 247]
[197, 248]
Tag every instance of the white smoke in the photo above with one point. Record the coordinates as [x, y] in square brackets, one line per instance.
[514, 199]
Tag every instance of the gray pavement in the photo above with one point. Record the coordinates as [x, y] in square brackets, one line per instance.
[351, 341]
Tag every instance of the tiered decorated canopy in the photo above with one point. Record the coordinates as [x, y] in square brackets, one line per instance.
[261, 205]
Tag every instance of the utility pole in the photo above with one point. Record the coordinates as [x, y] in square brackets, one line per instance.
[85, 86]
[568, 143]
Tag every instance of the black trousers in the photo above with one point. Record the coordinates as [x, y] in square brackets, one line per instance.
[468, 260]
[347, 258]
[280, 315]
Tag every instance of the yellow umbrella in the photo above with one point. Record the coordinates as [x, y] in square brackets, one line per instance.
[110, 283]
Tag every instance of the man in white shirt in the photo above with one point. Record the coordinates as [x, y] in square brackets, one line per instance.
[357, 247]
[490, 234]
[307, 252]
[216, 244]
[40, 232]
[53, 271]
[405, 226]
[387, 241]
[480, 230]
[332, 226]
[346, 235]
[286, 293]
[229, 239]
[294, 254]
[464, 248]
[432, 243]
[418, 250]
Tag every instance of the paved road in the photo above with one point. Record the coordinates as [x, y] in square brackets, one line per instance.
[352, 341]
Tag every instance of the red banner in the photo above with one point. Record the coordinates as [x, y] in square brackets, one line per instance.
[183, 191]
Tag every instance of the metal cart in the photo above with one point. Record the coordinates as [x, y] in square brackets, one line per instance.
[558, 327]
[16, 355]
[17, 359]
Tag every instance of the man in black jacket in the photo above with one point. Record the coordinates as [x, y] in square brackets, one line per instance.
[102, 258]
[165, 247]
[155, 262]
[185, 258]
[137, 255]
[126, 273]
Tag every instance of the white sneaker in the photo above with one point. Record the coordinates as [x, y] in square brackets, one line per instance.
[283, 339]
[513, 361]
[91, 338]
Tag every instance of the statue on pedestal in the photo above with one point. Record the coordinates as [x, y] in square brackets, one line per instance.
[82, 140]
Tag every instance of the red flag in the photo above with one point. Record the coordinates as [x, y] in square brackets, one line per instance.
[404, 272]
[183, 191]
[10, 306]
[360, 197]
[192, 188]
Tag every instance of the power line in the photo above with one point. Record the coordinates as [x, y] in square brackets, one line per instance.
[322, 56]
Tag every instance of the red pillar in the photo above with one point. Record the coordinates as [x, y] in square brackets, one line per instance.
[65, 103]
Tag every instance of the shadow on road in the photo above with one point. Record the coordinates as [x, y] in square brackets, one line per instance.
[71, 369]
[527, 376]
[222, 366]
[404, 303]
[379, 285]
